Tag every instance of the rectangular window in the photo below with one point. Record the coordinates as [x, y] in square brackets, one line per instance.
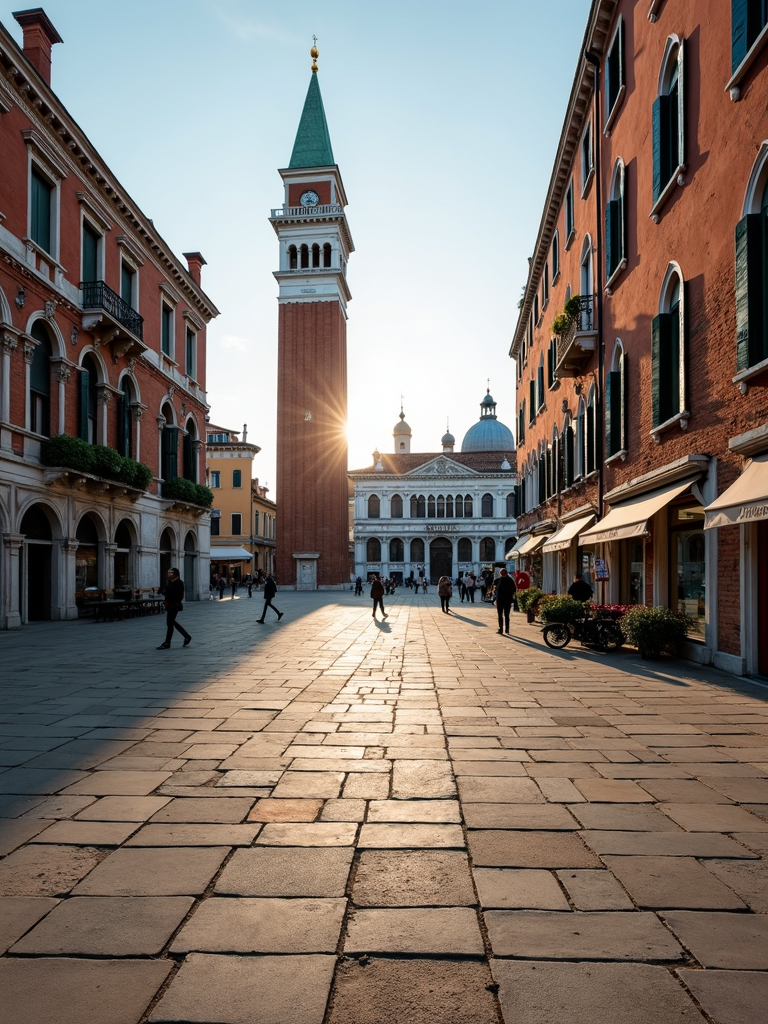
[215, 478]
[215, 526]
[586, 155]
[237, 520]
[614, 70]
[748, 19]
[191, 350]
[613, 437]
[127, 281]
[665, 366]
[569, 212]
[555, 257]
[237, 478]
[540, 387]
[40, 227]
[91, 241]
[256, 524]
[166, 329]
[532, 398]
[751, 290]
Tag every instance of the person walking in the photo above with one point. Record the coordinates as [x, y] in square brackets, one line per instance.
[445, 591]
[234, 587]
[270, 589]
[358, 586]
[504, 597]
[222, 585]
[471, 585]
[174, 597]
[249, 584]
[377, 596]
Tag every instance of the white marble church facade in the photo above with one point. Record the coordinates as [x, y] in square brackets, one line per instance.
[438, 513]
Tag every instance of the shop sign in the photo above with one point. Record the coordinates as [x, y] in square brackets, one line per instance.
[600, 570]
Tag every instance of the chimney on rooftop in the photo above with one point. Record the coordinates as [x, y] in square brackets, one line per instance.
[39, 37]
[195, 263]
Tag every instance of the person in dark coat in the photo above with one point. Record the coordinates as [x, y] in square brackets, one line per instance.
[377, 596]
[222, 585]
[270, 589]
[174, 597]
[580, 590]
[359, 587]
[505, 596]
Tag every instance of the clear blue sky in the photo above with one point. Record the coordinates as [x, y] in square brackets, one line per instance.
[444, 117]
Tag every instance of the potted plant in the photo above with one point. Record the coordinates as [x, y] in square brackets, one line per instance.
[528, 601]
[570, 313]
[561, 609]
[655, 631]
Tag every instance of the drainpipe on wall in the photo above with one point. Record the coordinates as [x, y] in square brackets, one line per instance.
[594, 61]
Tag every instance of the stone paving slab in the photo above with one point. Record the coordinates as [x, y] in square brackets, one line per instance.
[518, 889]
[594, 890]
[591, 992]
[87, 833]
[18, 914]
[729, 997]
[107, 926]
[737, 941]
[404, 836]
[417, 991]
[14, 832]
[432, 811]
[412, 878]
[154, 872]
[530, 850]
[247, 990]
[46, 870]
[518, 816]
[72, 991]
[579, 936]
[247, 925]
[194, 835]
[665, 844]
[286, 871]
[434, 931]
[665, 882]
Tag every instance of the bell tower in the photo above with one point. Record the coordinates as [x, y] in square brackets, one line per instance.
[315, 245]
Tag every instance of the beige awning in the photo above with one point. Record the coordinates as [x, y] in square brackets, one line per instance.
[531, 544]
[515, 551]
[562, 539]
[230, 554]
[745, 501]
[630, 518]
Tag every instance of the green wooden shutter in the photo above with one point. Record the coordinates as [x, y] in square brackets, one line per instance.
[660, 372]
[550, 366]
[680, 110]
[609, 388]
[660, 145]
[41, 211]
[624, 440]
[170, 453]
[82, 411]
[568, 455]
[612, 236]
[90, 254]
[542, 479]
[532, 399]
[613, 411]
[121, 424]
[620, 47]
[590, 438]
[739, 31]
[750, 332]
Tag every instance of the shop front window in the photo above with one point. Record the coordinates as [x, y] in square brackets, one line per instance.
[636, 572]
[687, 564]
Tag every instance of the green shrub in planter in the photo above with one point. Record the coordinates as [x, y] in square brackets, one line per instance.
[528, 600]
[180, 489]
[561, 609]
[141, 475]
[108, 463]
[655, 631]
[68, 452]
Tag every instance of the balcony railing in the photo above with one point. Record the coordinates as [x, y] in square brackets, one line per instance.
[98, 295]
[304, 211]
[576, 345]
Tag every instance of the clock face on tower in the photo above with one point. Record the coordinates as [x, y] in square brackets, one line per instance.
[309, 198]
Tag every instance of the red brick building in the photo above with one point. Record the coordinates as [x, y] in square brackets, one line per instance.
[104, 340]
[669, 105]
[315, 245]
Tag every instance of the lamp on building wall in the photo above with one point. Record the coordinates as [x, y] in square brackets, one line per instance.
[21, 298]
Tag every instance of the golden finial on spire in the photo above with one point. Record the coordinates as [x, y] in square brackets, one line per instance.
[314, 53]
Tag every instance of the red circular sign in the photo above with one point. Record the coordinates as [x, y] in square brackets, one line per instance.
[522, 580]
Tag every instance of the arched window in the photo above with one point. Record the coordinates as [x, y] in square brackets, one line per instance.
[327, 254]
[169, 446]
[511, 508]
[668, 120]
[373, 550]
[486, 506]
[616, 222]
[190, 452]
[580, 441]
[374, 507]
[441, 506]
[124, 432]
[292, 257]
[615, 402]
[40, 382]
[468, 506]
[304, 257]
[567, 445]
[418, 506]
[431, 507]
[449, 506]
[554, 464]
[89, 400]
[396, 550]
[487, 549]
[465, 549]
[586, 284]
[396, 506]
[545, 287]
[590, 434]
[668, 350]
[87, 555]
[315, 255]
[509, 543]
[540, 383]
[417, 550]
[167, 554]
[123, 544]
[459, 506]
[752, 269]
[555, 256]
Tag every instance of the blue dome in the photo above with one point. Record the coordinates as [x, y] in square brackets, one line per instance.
[488, 435]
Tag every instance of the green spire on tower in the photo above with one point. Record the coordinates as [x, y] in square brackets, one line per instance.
[312, 147]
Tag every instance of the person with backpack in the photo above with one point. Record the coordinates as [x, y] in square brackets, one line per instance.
[445, 591]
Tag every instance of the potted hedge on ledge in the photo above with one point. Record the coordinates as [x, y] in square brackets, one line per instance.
[656, 631]
[67, 452]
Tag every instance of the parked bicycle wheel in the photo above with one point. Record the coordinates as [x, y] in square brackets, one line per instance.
[611, 637]
[557, 635]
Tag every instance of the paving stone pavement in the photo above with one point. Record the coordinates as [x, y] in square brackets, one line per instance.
[331, 821]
